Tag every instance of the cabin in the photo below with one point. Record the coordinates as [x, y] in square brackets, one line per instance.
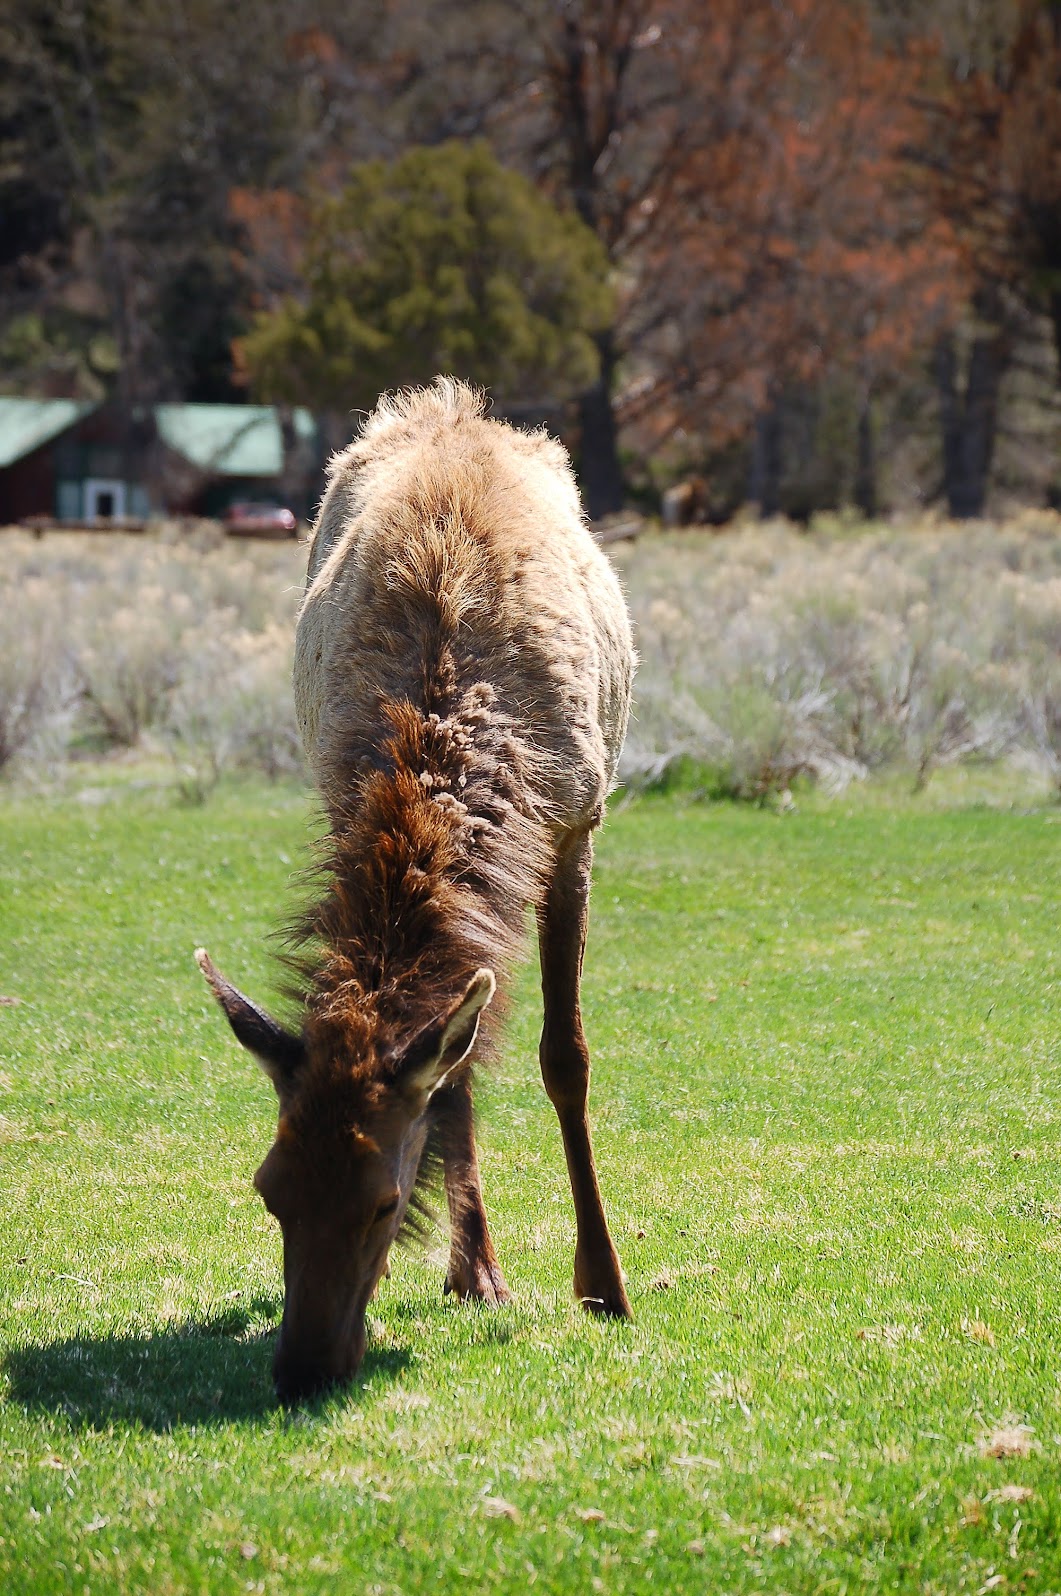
[80, 463]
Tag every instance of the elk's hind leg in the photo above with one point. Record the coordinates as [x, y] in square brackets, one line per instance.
[565, 1070]
[473, 1267]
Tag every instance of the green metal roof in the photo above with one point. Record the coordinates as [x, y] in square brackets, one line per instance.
[222, 440]
[229, 440]
[25, 424]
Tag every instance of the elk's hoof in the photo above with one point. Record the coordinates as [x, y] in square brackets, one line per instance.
[611, 1305]
[477, 1282]
[600, 1289]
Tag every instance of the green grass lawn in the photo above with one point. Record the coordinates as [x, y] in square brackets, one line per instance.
[827, 1093]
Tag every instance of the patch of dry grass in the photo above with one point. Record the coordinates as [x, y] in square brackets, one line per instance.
[182, 646]
[770, 654]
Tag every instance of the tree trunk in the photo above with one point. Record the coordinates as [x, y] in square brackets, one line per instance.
[969, 420]
[866, 462]
[1055, 318]
[764, 485]
[600, 472]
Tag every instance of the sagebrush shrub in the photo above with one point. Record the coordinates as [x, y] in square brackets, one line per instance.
[769, 654]
[189, 640]
[232, 708]
[36, 672]
[128, 662]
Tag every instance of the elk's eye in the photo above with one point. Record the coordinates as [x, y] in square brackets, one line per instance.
[385, 1210]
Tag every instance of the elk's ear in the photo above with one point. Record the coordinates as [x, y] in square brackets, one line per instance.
[277, 1051]
[427, 1061]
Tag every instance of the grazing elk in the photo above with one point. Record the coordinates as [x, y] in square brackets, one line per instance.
[462, 679]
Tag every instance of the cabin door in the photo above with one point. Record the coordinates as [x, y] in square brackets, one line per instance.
[104, 499]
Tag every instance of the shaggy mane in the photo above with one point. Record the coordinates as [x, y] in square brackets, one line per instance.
[425, 876]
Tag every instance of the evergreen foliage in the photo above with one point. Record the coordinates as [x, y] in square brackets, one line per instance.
[440, 261]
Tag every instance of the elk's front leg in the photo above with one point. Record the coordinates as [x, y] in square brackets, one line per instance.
[565, 1071]
[473, 1267]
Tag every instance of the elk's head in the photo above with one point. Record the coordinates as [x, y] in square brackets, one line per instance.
[341, 1171]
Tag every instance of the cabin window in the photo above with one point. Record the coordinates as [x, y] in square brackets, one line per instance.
[68, 501]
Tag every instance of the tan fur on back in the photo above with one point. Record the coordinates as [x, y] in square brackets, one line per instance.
[450, 562]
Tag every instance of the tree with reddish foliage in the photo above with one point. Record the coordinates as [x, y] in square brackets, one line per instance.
[743, 166]
[795, 243]
[992, 158]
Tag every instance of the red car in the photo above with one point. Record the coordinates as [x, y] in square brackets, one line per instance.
[260, 521]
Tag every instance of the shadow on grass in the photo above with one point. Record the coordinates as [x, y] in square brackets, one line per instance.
[202, 1372]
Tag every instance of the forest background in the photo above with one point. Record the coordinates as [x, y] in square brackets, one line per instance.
[831, 229]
